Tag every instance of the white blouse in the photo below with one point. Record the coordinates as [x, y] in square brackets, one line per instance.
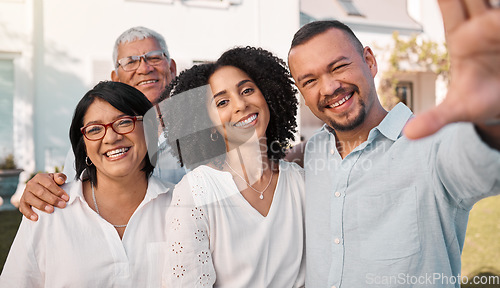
[75, 247]
[216, 238]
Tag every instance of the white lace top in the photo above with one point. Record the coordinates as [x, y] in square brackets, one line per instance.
[216, 238]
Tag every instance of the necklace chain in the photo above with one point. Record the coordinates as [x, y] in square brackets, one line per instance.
[261, 197]
[97, 208]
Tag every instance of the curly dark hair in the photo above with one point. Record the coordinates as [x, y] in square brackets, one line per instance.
[123, 97]
[271, 76]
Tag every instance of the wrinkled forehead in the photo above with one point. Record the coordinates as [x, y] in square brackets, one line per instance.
[330, 44]
[138, 46]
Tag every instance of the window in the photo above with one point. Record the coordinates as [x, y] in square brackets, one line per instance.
[404, 91]
[349, 8]
[6, 107]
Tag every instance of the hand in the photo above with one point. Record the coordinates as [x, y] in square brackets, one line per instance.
[43, 192]
[473, 38]
[296, 154]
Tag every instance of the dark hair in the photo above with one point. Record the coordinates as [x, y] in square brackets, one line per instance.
[308, 31]
[271, 76]
[123, 97]
[185, 116]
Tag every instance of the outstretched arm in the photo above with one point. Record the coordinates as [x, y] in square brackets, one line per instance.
[43, 192]
[473, 38]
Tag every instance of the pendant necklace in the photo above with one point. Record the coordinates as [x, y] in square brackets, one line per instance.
[97, 208]
[261, 197]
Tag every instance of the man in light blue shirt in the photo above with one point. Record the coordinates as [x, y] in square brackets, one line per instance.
[383, 210]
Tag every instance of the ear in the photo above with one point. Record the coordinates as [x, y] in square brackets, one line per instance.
[370, 60]
[114, 76]
[173, 68]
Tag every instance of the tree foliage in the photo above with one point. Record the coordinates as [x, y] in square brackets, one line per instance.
[411, 55]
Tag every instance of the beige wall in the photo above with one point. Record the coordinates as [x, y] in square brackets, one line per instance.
[424, 89]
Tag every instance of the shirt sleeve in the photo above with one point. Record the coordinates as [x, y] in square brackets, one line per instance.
[467, 167]
[69, 166]
[189, 257]
[21, 267]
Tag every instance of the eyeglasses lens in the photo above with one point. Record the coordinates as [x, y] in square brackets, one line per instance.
[131, 63]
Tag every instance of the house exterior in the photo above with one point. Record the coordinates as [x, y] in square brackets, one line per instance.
[53, 51]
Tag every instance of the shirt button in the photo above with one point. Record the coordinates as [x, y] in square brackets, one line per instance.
[337, 241]
[332, 151]
[337, 194]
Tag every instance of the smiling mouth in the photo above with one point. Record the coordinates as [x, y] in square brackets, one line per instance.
[341, 101]
[117, 152]
[147, 82]
[246, 121]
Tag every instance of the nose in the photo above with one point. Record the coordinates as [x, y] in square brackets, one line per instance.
[111, 136]
[328, 85]
[240, 103]
[144, 66]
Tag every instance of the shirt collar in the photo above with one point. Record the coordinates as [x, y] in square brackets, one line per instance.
[74, 190]
[156, 187]
[393, 123]
[391, 126]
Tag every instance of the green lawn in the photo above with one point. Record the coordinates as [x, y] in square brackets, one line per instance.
[481, 255]
[9, 222]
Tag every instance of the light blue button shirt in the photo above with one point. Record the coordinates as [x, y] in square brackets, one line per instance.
[393, 213]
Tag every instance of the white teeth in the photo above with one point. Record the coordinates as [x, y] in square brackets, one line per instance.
[247, 121]
[146, 82]
[341, 101]
[117, 152]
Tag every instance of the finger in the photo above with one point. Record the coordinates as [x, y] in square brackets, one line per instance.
[429, 122]
[453, 13]
[60, 178]
[26, 210]
[31, 200]
[50, 191]
[476, 7]
[46, 194]
[42, 190]
[422, 125]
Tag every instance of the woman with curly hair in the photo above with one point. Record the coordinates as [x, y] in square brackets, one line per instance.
[236, 219]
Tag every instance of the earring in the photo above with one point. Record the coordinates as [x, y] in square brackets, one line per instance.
[214, 138]
[87, 160]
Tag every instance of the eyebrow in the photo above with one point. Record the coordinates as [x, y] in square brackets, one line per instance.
[100, 122]
[220, 93]
[329, 66]
[241, 83]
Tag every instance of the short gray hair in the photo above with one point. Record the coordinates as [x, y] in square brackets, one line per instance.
[139, 33]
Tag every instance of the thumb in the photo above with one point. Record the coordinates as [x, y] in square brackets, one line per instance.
[60, 178]
[430, 121]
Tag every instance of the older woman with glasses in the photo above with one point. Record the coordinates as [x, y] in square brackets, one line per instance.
[108, 234]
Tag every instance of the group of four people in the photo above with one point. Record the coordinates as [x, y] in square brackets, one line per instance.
[378, 204]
